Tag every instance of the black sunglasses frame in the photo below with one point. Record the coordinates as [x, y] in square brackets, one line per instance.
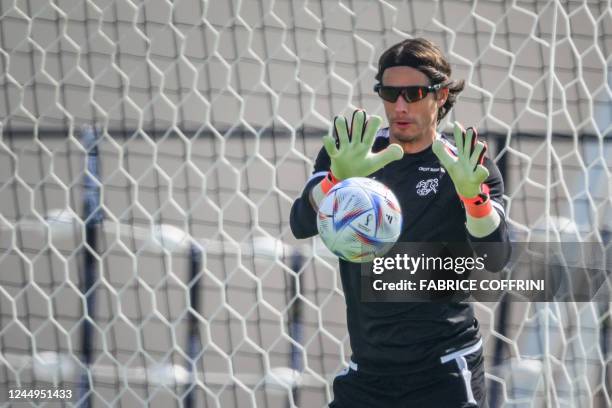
[403, 91]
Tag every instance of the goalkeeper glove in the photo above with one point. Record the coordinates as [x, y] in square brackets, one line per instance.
[466, 169]
[468, 175]
[350, 152]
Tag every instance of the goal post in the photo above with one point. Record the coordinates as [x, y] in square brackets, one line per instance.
[92, 216]
[150, 153]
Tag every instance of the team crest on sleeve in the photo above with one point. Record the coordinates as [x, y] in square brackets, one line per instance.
[426, 187]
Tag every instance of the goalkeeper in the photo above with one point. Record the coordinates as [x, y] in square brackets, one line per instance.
[412, 354]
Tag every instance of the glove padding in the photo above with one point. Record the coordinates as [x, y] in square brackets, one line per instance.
[351, 151]
[466, 169]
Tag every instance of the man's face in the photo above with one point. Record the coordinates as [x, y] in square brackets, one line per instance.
[411, 122]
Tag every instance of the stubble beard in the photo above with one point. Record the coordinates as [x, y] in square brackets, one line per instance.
[403, 138]
[409, 139]
[411, 142]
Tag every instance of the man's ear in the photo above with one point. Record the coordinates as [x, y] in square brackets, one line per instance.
[442, 97]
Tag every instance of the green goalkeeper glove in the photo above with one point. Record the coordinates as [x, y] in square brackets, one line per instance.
[351, 152]
[468, 175]
[466, 170]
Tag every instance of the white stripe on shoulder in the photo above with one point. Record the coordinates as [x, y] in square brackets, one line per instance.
[448, 144]
[384, 132]
[499, 207]
[317, 174]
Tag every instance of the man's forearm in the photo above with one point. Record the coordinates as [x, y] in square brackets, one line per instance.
[480, 227]
[303, 212]
[320, 190]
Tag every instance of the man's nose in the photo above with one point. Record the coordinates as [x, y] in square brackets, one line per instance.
[401, 105]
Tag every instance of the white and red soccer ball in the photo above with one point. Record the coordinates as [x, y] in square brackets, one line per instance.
[359, 219]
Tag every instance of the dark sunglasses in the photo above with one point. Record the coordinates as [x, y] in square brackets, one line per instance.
[410, 93]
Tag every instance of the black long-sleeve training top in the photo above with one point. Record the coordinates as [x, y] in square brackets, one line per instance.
[404, 337]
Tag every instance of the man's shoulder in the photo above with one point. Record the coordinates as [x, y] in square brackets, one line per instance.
[382, 139]
[448, 141]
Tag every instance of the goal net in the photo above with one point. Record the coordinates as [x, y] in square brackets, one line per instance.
[150, 153]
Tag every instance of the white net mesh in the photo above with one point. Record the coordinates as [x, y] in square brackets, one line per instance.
[191, 289]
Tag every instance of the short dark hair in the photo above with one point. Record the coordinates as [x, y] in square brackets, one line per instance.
[424, 55]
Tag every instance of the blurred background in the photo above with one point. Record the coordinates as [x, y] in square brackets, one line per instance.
[150, 153]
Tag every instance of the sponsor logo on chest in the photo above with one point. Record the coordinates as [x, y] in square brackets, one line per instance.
[431, 169]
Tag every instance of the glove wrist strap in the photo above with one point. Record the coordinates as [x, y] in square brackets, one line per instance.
[328, 182]
[480, 205]
[318, 192]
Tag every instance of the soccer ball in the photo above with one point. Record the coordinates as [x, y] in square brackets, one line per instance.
[359, 219]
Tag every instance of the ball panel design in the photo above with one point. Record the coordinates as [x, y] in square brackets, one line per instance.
[359, 219]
